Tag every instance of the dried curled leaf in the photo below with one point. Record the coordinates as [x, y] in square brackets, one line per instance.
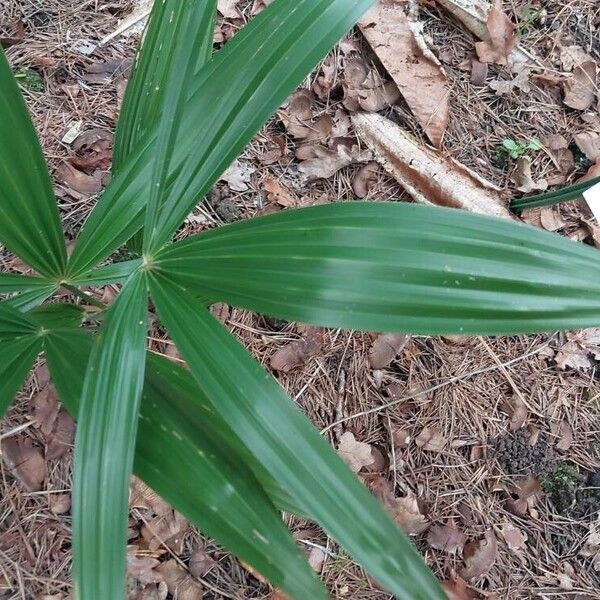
[401, 48]
[480, 556]
[180, 583]
[444, 537]
[365, 89]
[295, 354]
[515, 539]
[431, 439]
[385, 348]
[354, 453]
[427, 175]
[501, 37]
[323, 162]
[25, 462]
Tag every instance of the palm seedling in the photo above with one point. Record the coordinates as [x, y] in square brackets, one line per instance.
[220, 440]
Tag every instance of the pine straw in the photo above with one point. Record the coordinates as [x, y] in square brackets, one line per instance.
[337, 389]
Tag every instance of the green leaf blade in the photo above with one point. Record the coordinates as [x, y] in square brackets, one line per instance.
[186, 455]
[229, 99]
[16, 359]
[394, 267]
[29, 222]
[571, 192]
[293, 452]
[104, 446]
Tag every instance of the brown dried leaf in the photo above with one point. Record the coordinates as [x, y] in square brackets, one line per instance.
[480, 556]
[365, 89]
[79, 181]
[564, 435]
[295, 354]
[278, 193]
[522, 178]
[431, 439]
[577, 352]
[479, 72]
[228, 8]
[45, 409]
[142, 496]
[297, 115]
[457, 589]
[61, 437]
[59, 504]
[521, 82]
[363, 179]
[316, 558]
[325, 79]
[550, 219]
[181, 585]
[328, 161]
[200, 564]
[444, 537]
[401, 48]
[589, 143]
[427, 175]
[580, 88]
[355, 454]
[25, 462]
[501, 37]
[517, 410]
[143, 569]
[92, 140]
[385, 348]
[238, 175]
[167, 529]
[407, 514]
[515, 539]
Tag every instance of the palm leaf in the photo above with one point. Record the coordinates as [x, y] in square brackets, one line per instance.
[229, 99]
[104, 445]
[185, 453]
[29, 222]
[394, 267]
[293, 452]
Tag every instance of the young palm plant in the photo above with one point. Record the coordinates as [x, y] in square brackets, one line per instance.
[220, 440]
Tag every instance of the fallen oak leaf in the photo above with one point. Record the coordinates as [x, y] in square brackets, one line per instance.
[180, 583]
[515, 539]
[431, 439]
[523, 179]
[446, 538]
[365, 89]
[354, 453]
[25, 462]
[328, 161]
[363, 179]
[480, 555]
[278, 193]
[501, 37]
[427, 175]
[407, 514]
[385, 348]
[296, 353]
[77, 180]
[399, 44]
[297, 114]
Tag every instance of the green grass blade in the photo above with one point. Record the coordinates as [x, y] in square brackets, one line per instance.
[105, 443]
[29, 222]
[289, 447]
[185, 453]
[14, 282]
[16, 359]
[229, 99]
[571, 192]
[394, 267]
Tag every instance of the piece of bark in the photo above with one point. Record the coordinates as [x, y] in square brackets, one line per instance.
[427, 175]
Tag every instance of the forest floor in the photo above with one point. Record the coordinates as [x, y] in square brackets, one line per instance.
[485, 450]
